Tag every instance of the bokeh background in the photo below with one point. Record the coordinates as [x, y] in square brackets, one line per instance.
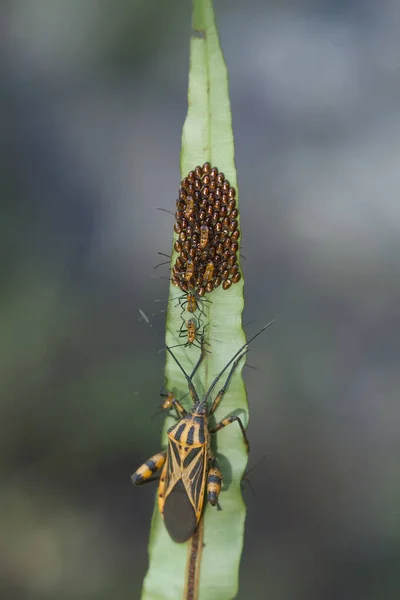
[93, 101]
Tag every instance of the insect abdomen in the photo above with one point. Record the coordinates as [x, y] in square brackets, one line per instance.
[147, 469]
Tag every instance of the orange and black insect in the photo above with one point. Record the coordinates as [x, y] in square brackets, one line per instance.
[192, 303]
[204, 236]
[188, 465]
[168, 403]
[191, 331]
[189, 207]
[189, 270]
[189, 301]
[209, 271]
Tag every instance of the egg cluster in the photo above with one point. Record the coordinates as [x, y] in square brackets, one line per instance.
[206, 221]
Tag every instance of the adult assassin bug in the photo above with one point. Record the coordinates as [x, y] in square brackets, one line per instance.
[188, 465]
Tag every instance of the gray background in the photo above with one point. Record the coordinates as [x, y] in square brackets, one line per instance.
[93, 102]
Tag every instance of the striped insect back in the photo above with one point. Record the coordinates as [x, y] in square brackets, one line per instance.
[185, 476]
[192, 332]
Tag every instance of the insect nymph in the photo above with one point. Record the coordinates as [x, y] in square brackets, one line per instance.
[188, 465]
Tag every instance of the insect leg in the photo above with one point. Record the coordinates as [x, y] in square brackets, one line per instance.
[222, 391]
[201, 310]
[192, 389]
[196, 366]
[236, 357]
[161, 489]
[182, 305]
[170, 400]
[228, 421]
[246, 478]
[181, 412]
[168, 403]
[181, 300]
[167, 211]
[214, 481]
[199, 340]
[155, 478]
[147, 469]
[166, 262]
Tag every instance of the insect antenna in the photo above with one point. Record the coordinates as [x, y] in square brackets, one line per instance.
[242, 351]
[192, 390]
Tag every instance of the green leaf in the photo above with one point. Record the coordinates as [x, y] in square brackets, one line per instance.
[207, 136]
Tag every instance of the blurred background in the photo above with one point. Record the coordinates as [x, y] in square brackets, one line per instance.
[93, 103]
